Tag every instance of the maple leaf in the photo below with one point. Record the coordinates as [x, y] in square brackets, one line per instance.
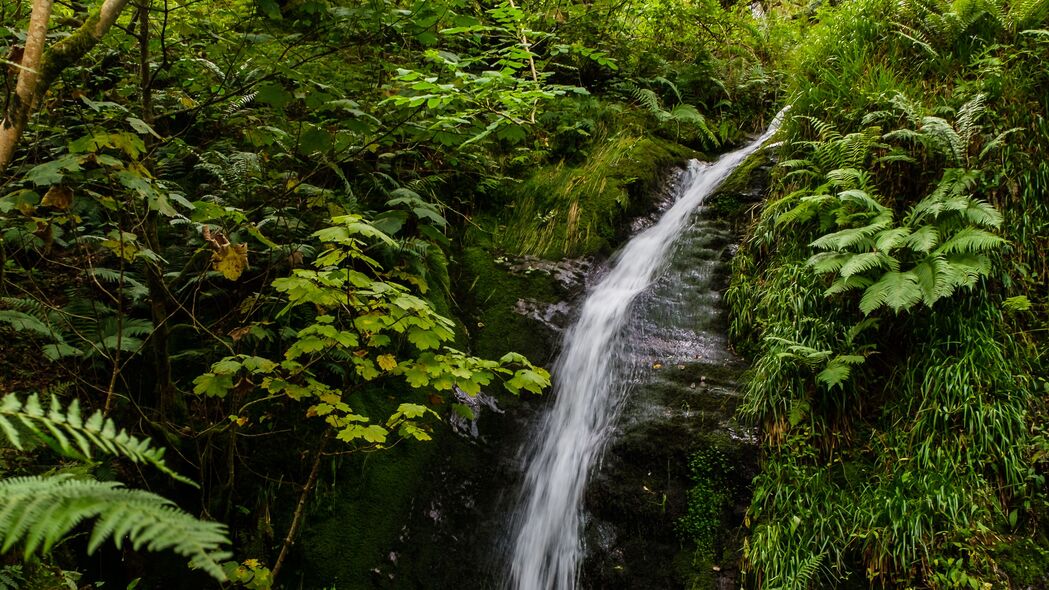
[231, 260]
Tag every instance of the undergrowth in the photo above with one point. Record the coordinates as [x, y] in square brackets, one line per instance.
[892, 296]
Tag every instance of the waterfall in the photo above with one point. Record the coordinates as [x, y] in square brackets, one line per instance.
[588, 389]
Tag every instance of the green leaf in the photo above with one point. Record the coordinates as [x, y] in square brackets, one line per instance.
[897, 290]
[531, 380]
[142, 127]
[212, 385]
[41, 511]
[424, 339]
[1018, 303]
[24, 322]
[53, 172]
[273, 94]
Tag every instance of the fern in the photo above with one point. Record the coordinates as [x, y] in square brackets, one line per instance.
[11, 577]
[68, 434]
[39, 511]
[133, 288]
[896, 290]
[686, 113]
[241, 102]
[24, 322]
[969, 240]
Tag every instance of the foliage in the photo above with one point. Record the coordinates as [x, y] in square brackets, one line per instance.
[363, 321]
[40, 511]
[252, 227]
[897, 442]
[707, 498]
[69, 434]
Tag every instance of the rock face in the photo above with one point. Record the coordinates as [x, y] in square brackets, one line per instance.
[683, 396]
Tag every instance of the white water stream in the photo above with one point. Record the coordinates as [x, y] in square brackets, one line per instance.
[547, 550]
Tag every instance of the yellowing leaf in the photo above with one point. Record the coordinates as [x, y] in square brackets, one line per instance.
[231, 260]
[386, 362]
[59, 197]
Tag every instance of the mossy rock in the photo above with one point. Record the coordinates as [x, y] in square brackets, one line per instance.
[491, 291]
[355, 519]
[1025, 561]
[742, 190]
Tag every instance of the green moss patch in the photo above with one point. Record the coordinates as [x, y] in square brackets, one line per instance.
[492, 291]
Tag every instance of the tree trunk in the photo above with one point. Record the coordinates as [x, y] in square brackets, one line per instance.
[21, 103]
[44, 70]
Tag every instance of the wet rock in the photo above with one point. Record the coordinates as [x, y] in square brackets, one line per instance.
[569, 273]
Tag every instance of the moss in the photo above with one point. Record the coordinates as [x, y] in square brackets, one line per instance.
[491, 292]
[354, 523]
[67, 52]
[567, 210]
[720, 469]
[742, 190]
[1025, 561]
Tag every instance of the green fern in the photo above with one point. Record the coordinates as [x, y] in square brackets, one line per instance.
[23, 322]
[70, 435]
[897, 290]
[40, 511]
[11, 577]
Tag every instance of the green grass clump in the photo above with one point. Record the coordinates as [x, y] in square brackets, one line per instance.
[569, 210]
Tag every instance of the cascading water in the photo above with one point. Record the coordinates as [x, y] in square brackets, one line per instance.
[589, 388]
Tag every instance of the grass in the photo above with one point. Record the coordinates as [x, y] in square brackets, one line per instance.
[570, 210]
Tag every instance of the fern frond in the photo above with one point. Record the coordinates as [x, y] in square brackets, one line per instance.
[1024, 13]
[39, 511]
[856, 237]
[968, 116]
[923, 239]
[912, 110]
[808, 570]
[843, 284]
[848, 177]
[241, 102]
[860, 197]
[670, 85]
[132, 287]
[997, 142]
[897, 290]
[69, 434]
[827, 262]
[917, 38]
[969, 240]
[861, 263]
[982, 213]
[645, 97]
[686, 113]
[33, 307]
[890, 239]
[23, 322]
[940, 135]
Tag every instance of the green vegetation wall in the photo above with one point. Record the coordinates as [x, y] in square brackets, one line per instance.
[892, 295]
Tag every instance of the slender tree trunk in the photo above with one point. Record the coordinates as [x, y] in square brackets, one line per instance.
[21, 103]
[300, 509]
[40, 72]
[160, 307]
